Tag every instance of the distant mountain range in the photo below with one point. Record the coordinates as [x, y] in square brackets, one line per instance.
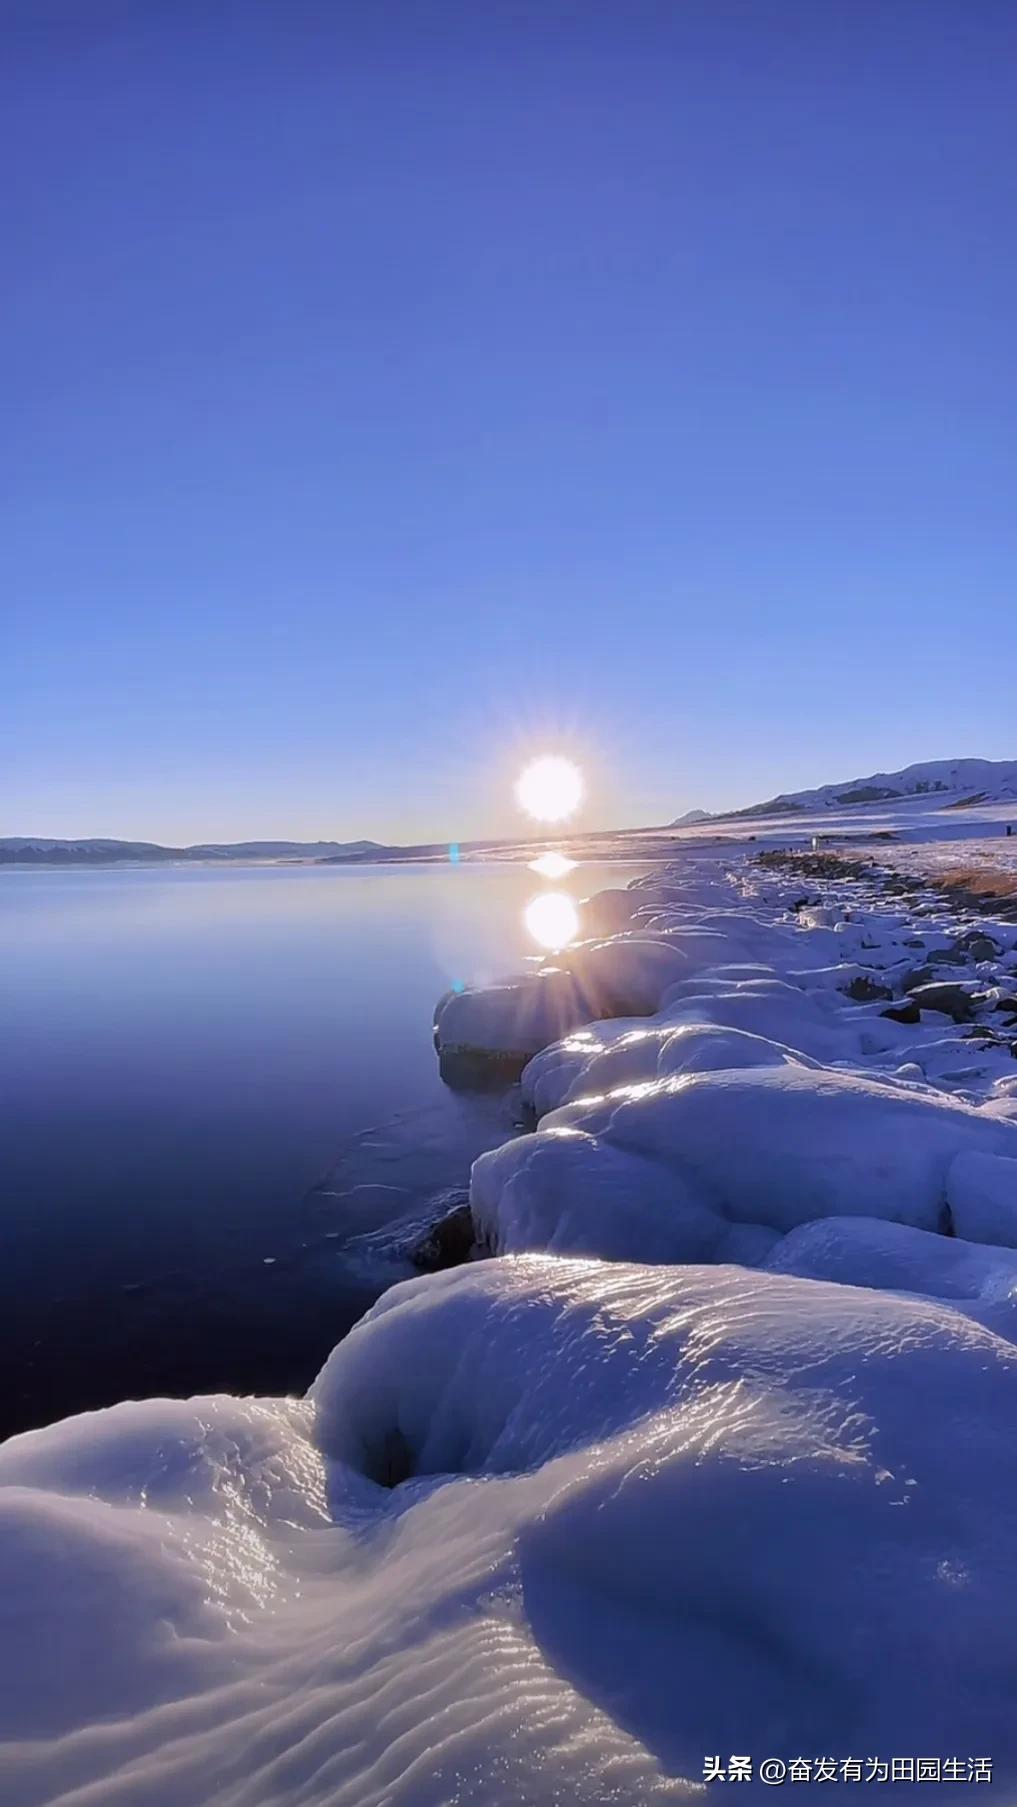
[38, 850]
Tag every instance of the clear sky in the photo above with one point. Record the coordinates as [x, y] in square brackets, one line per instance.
[393, 390]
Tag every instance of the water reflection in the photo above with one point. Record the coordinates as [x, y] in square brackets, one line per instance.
[552, 865]
[552, 919]
[186, 1050]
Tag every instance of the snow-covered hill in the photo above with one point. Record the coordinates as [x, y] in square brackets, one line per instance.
[980, 780]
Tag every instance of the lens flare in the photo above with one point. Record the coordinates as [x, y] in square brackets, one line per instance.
[550, 788]
[552, 919]
[552, 865]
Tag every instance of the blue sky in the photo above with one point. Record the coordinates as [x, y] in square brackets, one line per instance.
[395, 391]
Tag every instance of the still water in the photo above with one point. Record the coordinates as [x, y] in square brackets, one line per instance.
[220, 1111]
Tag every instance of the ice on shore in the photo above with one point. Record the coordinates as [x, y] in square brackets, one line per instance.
[676, 934]
[679, 1160]
[546, 1529]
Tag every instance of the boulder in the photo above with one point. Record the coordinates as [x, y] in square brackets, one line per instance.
[953, 1000]
[979, 946]
[450, 1241]
[906, 1012]
[863, 990]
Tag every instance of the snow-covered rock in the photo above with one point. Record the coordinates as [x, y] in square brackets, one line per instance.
[545, 1531]
[509, 1022]
[772, 1145]
[866, 1251]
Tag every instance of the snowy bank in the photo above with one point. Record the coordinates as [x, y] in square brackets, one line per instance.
[826, 1056]
[673, 1164]
[545, 1530]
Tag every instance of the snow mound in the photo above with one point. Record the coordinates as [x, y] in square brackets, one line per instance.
[508, 1023]
[135, 1547]
[633, 973]
[772, 1146]
[743, 1504]
[864, 1251]
[608, 1056]
[982, 1193]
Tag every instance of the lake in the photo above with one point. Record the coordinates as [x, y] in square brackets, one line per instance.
[220, 1111]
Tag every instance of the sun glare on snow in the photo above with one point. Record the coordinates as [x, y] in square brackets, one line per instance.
[550, 788]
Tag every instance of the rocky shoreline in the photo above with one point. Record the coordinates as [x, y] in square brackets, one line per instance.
[915, 989]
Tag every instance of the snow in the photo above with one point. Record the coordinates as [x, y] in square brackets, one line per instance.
[760, 1096]
[963, 778]
[546, 1530]
[716, 1455]
[513, 1020]
[775, 1145]
[866, 1251]
[982, 1194]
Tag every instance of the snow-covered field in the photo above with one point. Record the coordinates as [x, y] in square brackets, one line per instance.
[991, 853]
[715, 1456]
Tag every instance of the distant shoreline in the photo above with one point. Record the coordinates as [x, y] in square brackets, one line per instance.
[602, 844]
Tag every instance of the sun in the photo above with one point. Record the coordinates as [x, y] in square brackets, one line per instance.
[550, 788]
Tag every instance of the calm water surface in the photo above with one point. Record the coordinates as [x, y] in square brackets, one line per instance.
[220, 1113]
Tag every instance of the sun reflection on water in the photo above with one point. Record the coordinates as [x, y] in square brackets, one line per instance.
[552, 919]
[552, 865]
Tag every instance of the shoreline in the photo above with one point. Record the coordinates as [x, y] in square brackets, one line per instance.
[717, 1434]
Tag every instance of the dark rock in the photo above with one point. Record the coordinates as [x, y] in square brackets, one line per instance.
[952, 1000]
[922, 975]
[1007, 1004]
[864, 990]
[907, 1012]
[980, 947]
[449, 1242]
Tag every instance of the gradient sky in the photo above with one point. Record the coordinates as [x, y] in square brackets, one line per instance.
[394, 390]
